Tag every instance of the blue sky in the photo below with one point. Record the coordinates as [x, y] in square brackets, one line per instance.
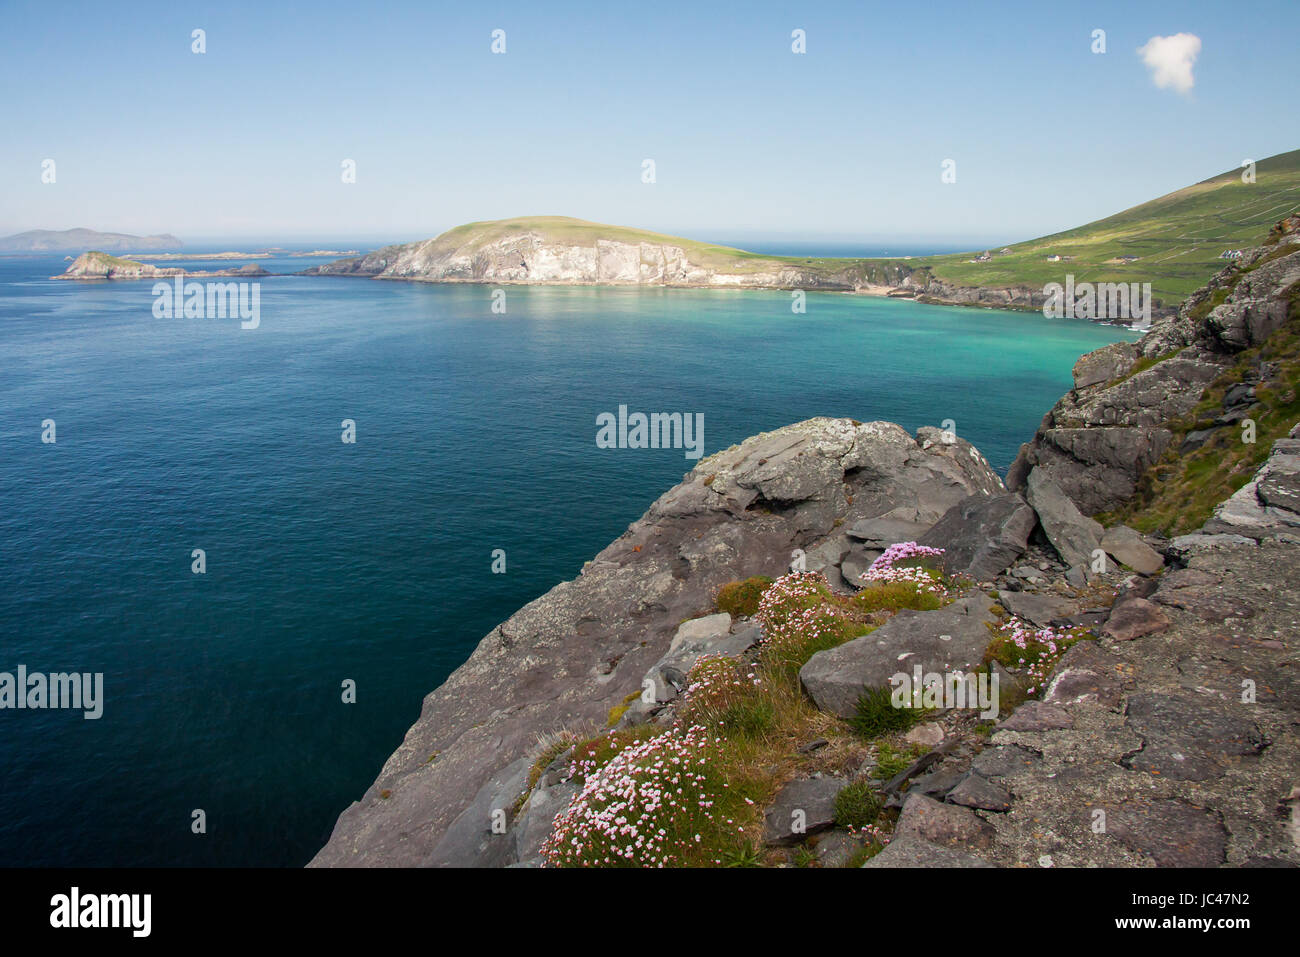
[749, 139]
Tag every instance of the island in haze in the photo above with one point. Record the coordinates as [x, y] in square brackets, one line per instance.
[100, 265]
[76, 240]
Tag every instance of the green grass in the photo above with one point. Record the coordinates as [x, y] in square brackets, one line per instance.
[876, 714]
[891, 761]
[740, 598]
[858, 805]
[1177, 237]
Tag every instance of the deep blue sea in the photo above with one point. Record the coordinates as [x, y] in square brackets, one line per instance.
[369, 561]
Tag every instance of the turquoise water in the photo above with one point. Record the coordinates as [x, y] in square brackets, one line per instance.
[369, 562]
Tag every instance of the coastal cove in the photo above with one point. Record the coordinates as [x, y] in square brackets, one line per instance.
[372, 562]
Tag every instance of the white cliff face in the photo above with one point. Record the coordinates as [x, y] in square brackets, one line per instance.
[531, 258]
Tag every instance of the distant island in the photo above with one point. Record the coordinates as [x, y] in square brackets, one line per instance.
[100, 265]
[1175, 243]
[75, 240]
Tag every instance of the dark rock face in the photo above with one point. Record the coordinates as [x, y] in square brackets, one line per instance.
[952, 638]
[1042, 610]
[566, 658]
[1133, 618]
[801, 808]
[945, 825]
[1038, 716]
[1170, 833]
[975, 791]
[1189, 740]
[912, 852]
[982, 535]
[1126, 546]
[1074, 536]
[1100, 437]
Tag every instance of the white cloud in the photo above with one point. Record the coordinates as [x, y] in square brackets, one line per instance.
[1170, 60]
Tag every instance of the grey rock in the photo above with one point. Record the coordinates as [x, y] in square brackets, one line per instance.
[856, 564]
[1006, 761]
[470, 840]
[1189, 740]
[1086, 673]
[1171, 833]
[935, 784]
[1042, 610]
[928, 734]
[837, 848]
[913, 852]
[948, 639]
[1074, 536]
[1126, 546]
[536, 821]
[976, 792]
[800, 809]
[1133, 618]
[982, 535]
[882, 532]
[1037, 716]
[1211, 602]
[827, 555]
[1104, 364]
[946, 825]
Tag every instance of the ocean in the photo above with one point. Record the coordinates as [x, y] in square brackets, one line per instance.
[370, 562]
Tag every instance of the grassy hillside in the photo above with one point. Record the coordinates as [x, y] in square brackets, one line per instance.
[1177, 238]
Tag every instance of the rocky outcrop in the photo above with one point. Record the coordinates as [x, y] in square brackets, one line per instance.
[952, 638]
[982, 535]
[1268, 505]
[1118, 420]
[570, 656]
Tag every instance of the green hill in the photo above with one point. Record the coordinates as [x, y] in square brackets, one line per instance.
[1177, 238]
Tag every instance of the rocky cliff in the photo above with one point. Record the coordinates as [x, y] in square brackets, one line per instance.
[1190, 381]
[737, 645]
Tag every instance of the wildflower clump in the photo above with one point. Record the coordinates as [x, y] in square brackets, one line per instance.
[800, 617]
[1034, 650]
[728, 696]
[654, 803]
[911, 564]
